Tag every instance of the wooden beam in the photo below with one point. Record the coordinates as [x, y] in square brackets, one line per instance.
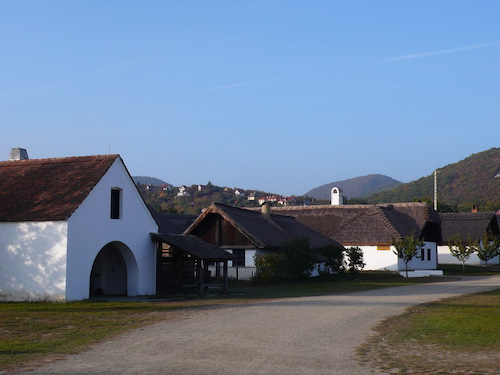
[226, 278]
[199, 271]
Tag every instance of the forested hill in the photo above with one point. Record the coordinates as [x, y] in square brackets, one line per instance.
[474, 180]
[355, 187]
[146, 180]
[192, 199]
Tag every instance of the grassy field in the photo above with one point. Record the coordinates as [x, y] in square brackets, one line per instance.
[34, 331]
[459, 335]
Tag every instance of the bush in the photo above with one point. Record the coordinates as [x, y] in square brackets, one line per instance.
[295, 262]
[300, 259]
[354, 259]
[334, 259]
[270, 268]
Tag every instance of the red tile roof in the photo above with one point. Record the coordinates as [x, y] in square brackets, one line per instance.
[48, 189]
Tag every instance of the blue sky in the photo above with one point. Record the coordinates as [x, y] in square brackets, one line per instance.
[280, 96]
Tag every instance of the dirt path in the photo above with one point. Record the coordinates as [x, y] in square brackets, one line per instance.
[310, 335]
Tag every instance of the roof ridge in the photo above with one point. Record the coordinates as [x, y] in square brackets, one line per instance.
[227, 216]
[105, 156]
[387, 222]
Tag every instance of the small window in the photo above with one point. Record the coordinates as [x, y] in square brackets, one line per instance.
[422, 254]
[115, 203]
[240, 261]
[428, 254]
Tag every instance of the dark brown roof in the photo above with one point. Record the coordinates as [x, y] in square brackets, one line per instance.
[266, 232]
[468, 223]
[194, 246]
[366, 224]
[48, 189]
[171, 223]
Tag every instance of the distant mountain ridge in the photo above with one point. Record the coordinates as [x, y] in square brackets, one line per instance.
[357, 187]
[471, 181]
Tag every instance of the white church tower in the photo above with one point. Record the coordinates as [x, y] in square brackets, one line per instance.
[336, 196]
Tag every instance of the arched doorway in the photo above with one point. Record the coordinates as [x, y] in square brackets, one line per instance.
[110, 271]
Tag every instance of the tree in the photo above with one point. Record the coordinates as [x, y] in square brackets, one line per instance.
[295, 261]
[334, 259]
[300, 258]
[489, 247]
[407, 249]
[355, 261]
[460, 249]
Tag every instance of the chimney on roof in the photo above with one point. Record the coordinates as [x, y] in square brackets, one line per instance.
[336, 198]
[18, 154]
[475, 208]
[266, 209]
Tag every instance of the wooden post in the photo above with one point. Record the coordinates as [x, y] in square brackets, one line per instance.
[206, 275]
[226, 278]
[159, 274]
[199, 271]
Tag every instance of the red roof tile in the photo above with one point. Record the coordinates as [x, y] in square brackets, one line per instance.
[48, 189]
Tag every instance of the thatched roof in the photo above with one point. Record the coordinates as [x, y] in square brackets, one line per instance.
[265, 231]
[194, 246]
[468, 223]
[368, 224]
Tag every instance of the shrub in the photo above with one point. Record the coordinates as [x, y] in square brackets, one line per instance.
[354, 259]
[270, 268]
[299, 258]
[334, 259]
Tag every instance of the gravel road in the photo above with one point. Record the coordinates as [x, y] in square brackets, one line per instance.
[309, 335]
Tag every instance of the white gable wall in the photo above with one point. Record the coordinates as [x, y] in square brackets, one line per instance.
[90, 228]
[33, 260]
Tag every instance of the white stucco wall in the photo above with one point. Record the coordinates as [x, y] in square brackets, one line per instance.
[387, 260]
[423, 263]
[378, 259]
[90, 228]
[33, 260]
[445, 257]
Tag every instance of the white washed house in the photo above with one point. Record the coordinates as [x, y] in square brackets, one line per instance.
[73, 227]
[465, 225]
[373, 229]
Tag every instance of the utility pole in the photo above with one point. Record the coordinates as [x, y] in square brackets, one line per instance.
[435, 190]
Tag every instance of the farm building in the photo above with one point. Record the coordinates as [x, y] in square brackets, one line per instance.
[373, 228]
[246, 233]
[73, 227]
[467, 225]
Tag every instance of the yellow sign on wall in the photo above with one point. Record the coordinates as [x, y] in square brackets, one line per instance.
[383, 247]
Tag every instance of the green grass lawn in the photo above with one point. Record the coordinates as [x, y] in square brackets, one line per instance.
[457, 270]
[459, 335]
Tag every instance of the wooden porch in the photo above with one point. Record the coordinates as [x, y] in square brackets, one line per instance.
[183, 263]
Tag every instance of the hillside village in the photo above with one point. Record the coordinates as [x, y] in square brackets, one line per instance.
[77, 227]
[192, 199]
